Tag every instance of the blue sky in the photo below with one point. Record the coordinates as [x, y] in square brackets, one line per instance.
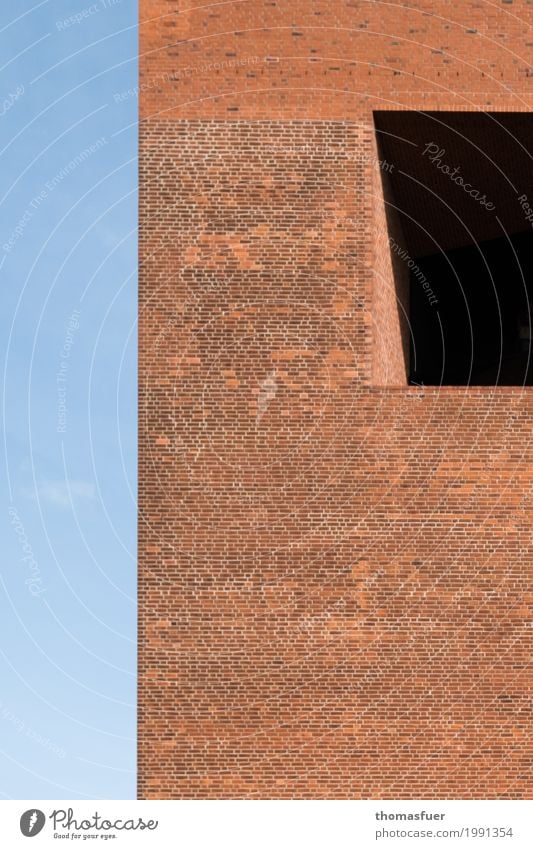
[68, 257]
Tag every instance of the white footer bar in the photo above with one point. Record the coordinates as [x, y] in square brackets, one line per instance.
[269, 824]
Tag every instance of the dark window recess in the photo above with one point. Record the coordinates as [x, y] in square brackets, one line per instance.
[470, 302]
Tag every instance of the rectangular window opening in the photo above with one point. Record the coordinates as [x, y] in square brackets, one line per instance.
[457, 188]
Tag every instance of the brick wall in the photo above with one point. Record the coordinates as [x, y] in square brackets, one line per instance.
[389, 301]
[335, 568]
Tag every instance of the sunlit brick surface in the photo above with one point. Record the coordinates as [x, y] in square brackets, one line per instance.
[335, 568]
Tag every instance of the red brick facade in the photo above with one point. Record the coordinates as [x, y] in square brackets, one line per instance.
[335, 567]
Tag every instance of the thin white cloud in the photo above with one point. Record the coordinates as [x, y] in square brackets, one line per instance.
[63, 493]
